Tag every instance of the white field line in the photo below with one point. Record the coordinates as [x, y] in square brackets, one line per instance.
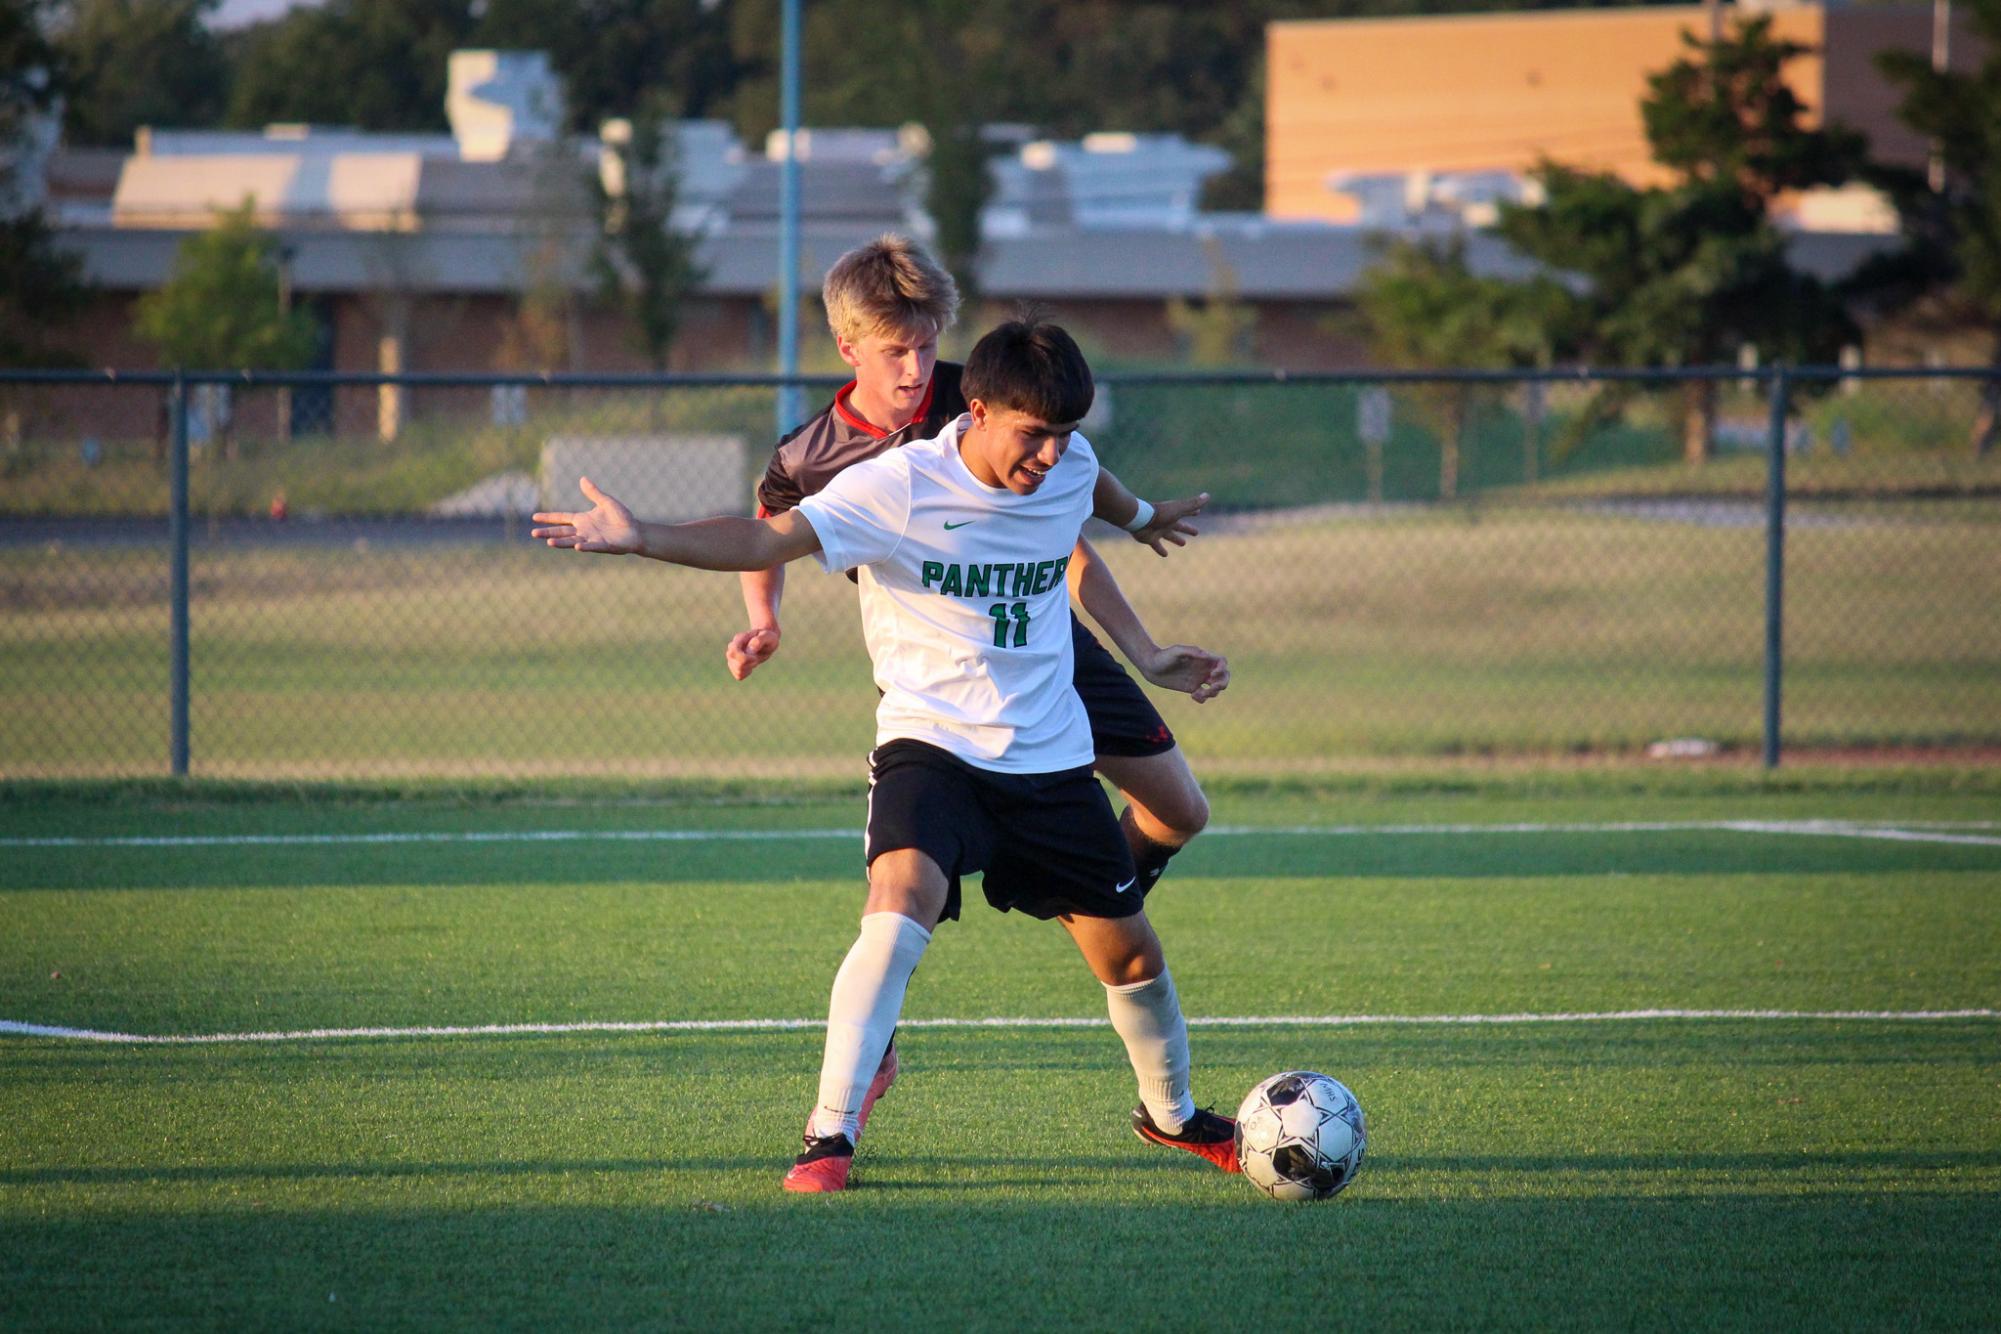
[15, 1028]
[1901, 831]
[455, 836]
[1894, 834]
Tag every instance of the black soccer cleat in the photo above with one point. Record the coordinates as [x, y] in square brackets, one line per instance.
[1206, 1135]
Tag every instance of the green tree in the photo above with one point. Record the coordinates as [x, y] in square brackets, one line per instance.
[937, 63]
[1686, 274]
[957, 185]
[538, 338]
[139, 62]
[1217, 330]
[220, 309]
[1241, 134]
[32, 76]
[371, 64]
[617, 56]
[1425, 309]
[1724, 114]
[41, 286]
[551, 279]
[1059, 67]
[1062, 67]
[645, 268]
[1952, 251]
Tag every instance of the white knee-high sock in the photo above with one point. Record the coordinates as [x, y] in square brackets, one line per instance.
[868, 995]
[1148, 1018]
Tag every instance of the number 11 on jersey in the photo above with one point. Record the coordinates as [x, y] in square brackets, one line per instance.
[1002, 612]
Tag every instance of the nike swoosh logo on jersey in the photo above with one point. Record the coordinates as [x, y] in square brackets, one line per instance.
[960, 524]
[1126, 886]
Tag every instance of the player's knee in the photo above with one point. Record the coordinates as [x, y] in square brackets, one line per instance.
[1126, 954]
[1142, 967]
[908, 882]
[1194, 814]
[1168, 803]
[1181, 814]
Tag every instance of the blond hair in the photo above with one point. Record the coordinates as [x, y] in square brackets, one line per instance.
[888, 286]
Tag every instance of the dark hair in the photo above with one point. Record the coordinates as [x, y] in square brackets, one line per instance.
[1030, 365]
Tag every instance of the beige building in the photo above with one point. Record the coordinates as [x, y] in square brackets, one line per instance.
[1354, 100]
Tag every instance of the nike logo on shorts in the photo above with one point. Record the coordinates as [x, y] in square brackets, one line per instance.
[1120, 889]
[960, 524]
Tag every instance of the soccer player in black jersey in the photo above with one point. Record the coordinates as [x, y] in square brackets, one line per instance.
[887, 302]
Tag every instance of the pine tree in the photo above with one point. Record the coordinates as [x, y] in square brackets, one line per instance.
[1952, 233]
[41, 286]
[646, 269]
[1686, 274]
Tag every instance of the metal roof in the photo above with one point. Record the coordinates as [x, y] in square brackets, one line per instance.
[1249, 260]
[1262, 263]
[741, 262]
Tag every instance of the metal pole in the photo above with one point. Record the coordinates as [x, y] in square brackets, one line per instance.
[177, 543]
[1775, 562]
[285, 255]
[1941, 62]
[1534, 402]
[788, 222]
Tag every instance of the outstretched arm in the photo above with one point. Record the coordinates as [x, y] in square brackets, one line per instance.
[1195, 672]
[1113, 502]
[706, 544]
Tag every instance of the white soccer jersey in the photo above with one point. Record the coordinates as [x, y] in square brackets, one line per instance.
[965, 604]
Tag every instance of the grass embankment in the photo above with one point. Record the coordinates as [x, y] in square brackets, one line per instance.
[1498, 632]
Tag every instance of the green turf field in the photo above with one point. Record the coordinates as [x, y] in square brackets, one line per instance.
[1757, 1171]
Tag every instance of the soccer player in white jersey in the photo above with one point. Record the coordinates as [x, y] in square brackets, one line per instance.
[983, 753]
[887, 302]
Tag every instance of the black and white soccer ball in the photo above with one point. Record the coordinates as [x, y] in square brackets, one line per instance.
[1300, 1136]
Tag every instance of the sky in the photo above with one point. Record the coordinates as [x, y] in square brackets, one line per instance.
[236, 13]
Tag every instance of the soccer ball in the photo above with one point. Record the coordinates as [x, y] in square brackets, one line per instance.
[1300, 1136]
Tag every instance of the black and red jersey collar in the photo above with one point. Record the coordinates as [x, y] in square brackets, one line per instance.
[856, 420]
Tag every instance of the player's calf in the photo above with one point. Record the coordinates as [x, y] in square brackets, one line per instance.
[1150, 855]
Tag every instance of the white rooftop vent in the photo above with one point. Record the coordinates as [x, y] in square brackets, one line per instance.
[877, 148]
[501, 101]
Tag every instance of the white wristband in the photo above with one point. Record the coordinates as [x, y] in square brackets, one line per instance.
[1140, 519]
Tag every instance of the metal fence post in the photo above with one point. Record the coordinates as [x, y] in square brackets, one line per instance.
[177, 543]
[788, 220]
[1775, 561]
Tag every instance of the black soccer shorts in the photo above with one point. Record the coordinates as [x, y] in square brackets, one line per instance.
[1048, 843]
[1123, 719]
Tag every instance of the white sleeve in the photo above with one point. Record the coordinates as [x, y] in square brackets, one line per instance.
[1082, 448]
[860, 515]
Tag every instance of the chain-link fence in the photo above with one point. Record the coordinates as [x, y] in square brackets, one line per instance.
[342, 585]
